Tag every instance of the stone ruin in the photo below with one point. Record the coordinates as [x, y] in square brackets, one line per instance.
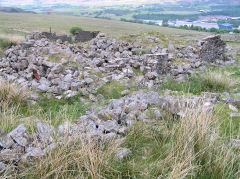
[76, 69]
[83, 36]
[99, 124]
[50, 36]
[79, 36]
[212, 48]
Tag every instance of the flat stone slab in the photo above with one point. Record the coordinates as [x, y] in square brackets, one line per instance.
[235, 115]
[235, 102]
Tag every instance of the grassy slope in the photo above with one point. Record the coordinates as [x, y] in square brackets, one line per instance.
[18, 23]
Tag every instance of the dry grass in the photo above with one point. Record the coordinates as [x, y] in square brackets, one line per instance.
[11, 93]
[190, 148]
[218, 80]
[11, 98]
[197, 151]
[76, 157]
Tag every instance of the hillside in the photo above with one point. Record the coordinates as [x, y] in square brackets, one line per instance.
[11, 25]
[14, 10]
[135, 101]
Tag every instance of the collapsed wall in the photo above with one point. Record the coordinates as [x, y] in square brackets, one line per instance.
[79, 36]
[83, 36]
[67, 69]
[50, 36]
[212, 48]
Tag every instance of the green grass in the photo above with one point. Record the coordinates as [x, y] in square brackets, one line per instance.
[137, 72]
[112, 90]
[4, 43]
[62, 24]
[229, 127]
[56, 58]
[214, 81]
[57, 111]
[162, 149]
[173, 148]
[48, 109]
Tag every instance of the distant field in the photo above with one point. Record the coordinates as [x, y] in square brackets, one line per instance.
[17, 25]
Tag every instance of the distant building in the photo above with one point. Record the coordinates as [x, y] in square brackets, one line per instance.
[235, 18]
[225, 26]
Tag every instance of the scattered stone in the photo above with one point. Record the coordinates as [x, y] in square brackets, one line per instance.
[234, 114]
[235, 143]
[122, 153]
[45, 133]
[5, 141]
[2, 166]
[125, 92]
[235, 102]
[32, 153]
[233, 108]
[157, 114]
[110, 126]
[20, 135]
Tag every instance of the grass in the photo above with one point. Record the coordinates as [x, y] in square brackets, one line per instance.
[56, 58]
[218, 81]
[11, 94]
[191, 147]
[76, 158]
[62, 24]
[4, 44]
[194, 146]
[112, 90]
[179, 149]
[210, 81]
[15, 109]
[229, 127]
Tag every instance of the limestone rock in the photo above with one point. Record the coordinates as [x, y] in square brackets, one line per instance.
[122, 153]
[20, 135]
[45, 133]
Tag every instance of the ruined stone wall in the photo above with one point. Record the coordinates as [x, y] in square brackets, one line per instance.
[82, 36]
[212, 48]
[50, 36]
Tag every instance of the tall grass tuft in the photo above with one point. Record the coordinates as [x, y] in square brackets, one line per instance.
[197, 150]
[11, 94]
[76, 157]
[4, 43]
[210, 81]
[218, 81]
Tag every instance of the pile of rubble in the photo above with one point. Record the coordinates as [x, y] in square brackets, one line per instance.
[101, 124]
[85, 69]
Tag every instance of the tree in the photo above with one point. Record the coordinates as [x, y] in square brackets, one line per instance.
[165, 22]
[73, 30]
